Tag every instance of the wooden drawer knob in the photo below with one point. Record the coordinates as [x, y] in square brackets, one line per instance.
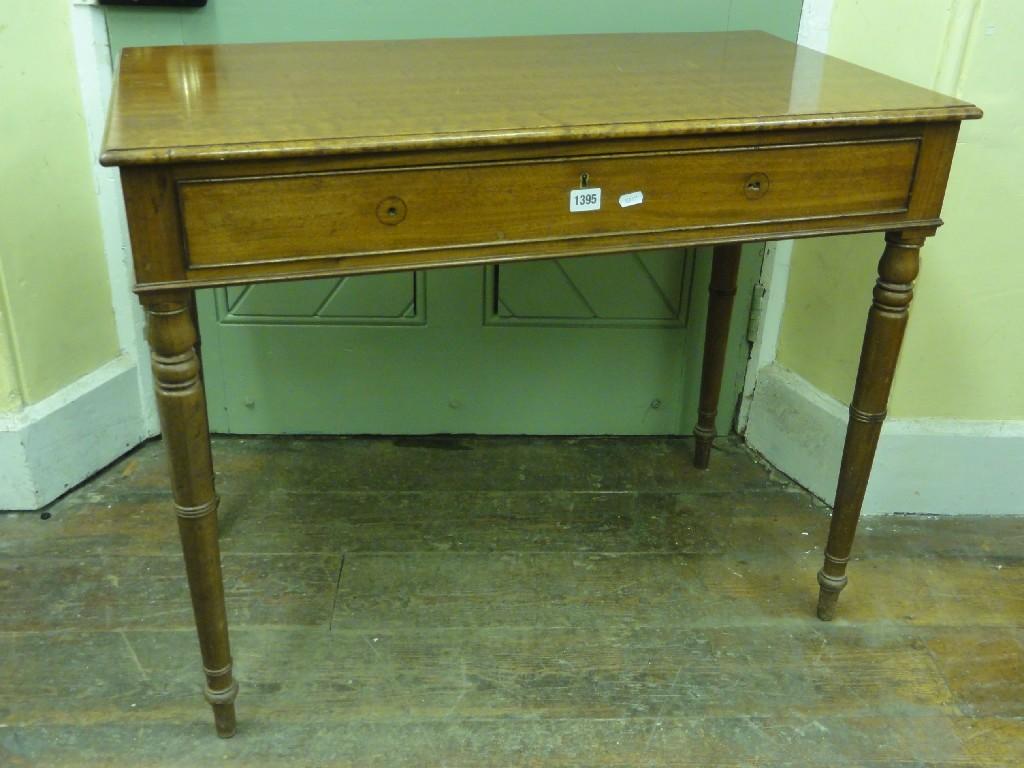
[756, 186]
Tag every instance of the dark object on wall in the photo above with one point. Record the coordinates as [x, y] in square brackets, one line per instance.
[163, 3]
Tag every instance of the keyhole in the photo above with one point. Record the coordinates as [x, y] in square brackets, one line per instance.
[391, 211]
[584, 179]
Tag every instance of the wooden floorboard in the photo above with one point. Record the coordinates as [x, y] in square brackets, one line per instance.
[478, 602]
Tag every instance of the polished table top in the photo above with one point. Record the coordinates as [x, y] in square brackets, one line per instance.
[222, 102]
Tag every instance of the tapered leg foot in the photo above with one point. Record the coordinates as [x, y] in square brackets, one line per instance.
[181, 403]
[702, 450]
[887, 320]
[224, 720]
[828, 595]
[223, 704]
[725, 267]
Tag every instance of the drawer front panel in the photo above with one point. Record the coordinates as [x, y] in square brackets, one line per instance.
[294, 217]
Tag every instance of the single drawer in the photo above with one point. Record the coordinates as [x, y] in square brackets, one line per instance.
[348, 213]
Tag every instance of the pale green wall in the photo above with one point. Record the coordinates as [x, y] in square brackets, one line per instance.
[58, 321]
[269, 20]
[962, 354]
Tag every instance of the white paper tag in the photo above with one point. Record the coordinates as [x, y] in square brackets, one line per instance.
[586, 199]
[631, 198]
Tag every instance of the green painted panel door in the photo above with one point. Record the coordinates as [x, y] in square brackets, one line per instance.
[589, 345]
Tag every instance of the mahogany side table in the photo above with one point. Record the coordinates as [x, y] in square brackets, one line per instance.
[251, 163]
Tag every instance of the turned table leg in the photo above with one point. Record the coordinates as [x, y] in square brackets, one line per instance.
[725, 266]
[181, 402]
[887, 320]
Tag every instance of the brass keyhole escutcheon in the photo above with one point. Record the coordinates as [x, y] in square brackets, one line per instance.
[391, 210]
[756, 186]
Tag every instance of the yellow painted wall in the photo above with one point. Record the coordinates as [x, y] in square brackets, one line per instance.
[58, 321]
[962, 356]
[10, 390]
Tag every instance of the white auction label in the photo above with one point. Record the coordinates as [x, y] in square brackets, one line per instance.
[587, 199]
[631, 198]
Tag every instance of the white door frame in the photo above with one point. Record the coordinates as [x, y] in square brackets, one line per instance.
[815, 22]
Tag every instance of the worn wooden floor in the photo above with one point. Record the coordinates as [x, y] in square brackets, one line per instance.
[507, 602]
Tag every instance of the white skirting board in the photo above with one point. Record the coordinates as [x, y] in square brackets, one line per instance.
[922, 467]
[51, 446]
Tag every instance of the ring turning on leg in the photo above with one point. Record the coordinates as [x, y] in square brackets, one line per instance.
[887, 320]
[181, 402]
[725, 267]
